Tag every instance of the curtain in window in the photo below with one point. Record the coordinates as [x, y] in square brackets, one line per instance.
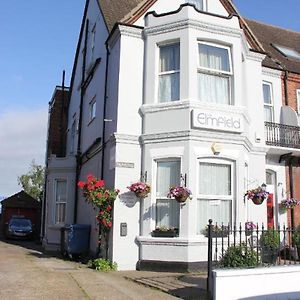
[169, 61]
[213, 88]
[197, 3]
[215, 179]
[167, 210]
[217, 210]
[213, 58]
[61, 198]
[268, 111]
[267, 94]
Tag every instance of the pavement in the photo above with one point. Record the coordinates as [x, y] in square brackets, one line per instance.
[28, 273]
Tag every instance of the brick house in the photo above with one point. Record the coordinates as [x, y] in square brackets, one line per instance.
[283, 53]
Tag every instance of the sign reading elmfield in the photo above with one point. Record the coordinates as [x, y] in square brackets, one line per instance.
[217, 120]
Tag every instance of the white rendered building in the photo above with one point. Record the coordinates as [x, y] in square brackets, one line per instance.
[169, 92]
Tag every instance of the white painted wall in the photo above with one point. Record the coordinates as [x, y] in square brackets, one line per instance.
[273, 283]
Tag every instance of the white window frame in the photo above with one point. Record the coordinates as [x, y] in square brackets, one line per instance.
[204, 6]
[231, 197]
[156, 161]
[227, 74]
[298, 100]
[92, 109]
[176, 42]
[63, 201]
[271, 105]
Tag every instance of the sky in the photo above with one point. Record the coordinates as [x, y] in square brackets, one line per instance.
[38, 42]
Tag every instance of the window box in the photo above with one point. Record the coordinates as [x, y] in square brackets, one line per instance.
[165, 233]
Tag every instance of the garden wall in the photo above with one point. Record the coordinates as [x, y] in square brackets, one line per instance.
[279, 282]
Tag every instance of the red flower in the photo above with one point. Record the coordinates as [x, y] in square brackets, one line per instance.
[101, 213]
[81, 184]
[99, 183]
[90, 177]
[108, 208]
[109, 224]
[99, 195]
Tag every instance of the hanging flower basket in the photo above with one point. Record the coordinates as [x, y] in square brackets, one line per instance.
[181, 199]
[140, 189]
[258, 200]
[180, 193]
[257, 195]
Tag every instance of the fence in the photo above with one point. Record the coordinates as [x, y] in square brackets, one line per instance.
[244, 246]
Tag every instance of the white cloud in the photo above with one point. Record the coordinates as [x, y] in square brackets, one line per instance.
[22, 139]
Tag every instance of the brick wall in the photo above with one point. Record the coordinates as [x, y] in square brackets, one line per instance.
[58, 121]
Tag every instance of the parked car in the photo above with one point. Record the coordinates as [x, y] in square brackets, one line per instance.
[19, 228]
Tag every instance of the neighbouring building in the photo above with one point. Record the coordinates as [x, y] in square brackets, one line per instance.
[23, 205]
[173, 93]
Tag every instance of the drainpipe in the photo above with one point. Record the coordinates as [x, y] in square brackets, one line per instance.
[291, 177]
[78, 154]
[286, 91]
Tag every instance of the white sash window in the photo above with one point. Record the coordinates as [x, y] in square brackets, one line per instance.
[214, 74]
[167, 210]
[268, 102]
[60, 201]
[169, 72]
[215, 195]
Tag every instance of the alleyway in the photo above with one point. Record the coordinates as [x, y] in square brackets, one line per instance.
[26, 273]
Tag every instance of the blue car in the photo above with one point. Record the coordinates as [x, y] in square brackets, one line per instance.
[19, 228]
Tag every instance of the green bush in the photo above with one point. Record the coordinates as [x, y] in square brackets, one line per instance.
[270, 239]
[239, 256]
[101, 264]
[296, 236]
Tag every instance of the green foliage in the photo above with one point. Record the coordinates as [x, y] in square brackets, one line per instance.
[296, 236]
[270, 239]
[101, 264]
[33, 181]
[239, 256]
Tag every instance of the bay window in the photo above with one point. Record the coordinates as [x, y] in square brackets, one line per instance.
[60, 201]
[268, 102]
[215, 196]
[167, 210]
[169, 72]
[214, 73]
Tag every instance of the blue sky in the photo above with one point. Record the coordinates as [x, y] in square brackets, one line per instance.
[38, 41]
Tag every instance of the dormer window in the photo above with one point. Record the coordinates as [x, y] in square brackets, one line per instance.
[214, 73]
[287, 52]
[198, 4]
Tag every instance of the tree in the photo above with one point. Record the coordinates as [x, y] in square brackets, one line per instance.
[33, 181]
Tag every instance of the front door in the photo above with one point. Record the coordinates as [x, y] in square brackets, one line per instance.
[271, 188]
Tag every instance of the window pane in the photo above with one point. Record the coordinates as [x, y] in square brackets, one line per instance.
[169, 58]
[168, 87]
[267, 94]
[168, 174]
[213, 88]
[215, 179]
[197, 3]
[61, 190]
[217, 210]
[268, 110]
[60, 213]
[167, 213]
[213, 58]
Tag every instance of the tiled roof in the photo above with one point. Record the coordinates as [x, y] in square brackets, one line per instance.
[268, 35]
[115, 10]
